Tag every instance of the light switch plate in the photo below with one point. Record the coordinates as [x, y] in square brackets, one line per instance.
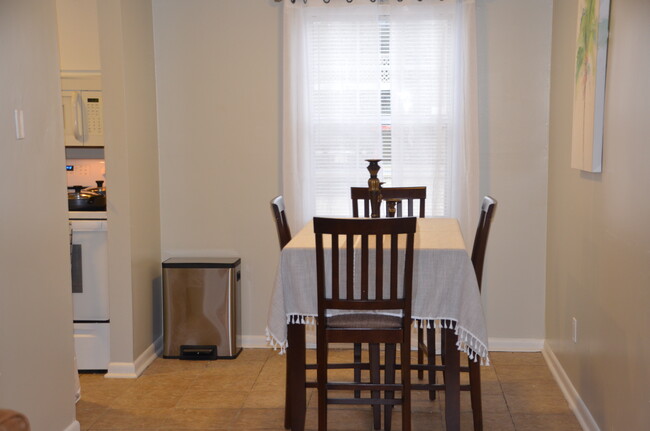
[19, 122]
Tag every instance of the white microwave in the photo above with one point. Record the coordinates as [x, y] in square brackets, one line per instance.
[82, 111]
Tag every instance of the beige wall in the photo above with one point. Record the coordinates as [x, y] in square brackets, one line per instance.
[598, 231]
[218, 77]
[514, 48]
[218, 70]
[144, 193]
[126, 45]
[218, 87]
[36, 353]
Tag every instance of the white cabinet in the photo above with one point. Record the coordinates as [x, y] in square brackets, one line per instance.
[78, 35]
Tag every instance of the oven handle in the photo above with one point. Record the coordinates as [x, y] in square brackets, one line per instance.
[88, 225]
[77, 275]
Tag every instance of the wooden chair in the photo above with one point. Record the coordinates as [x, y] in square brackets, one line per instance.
[488, 206]
[357, 287]
[408, 194]
[281, 224]
[284, 236]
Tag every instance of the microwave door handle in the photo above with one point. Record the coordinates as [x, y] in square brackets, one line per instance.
[77, 108]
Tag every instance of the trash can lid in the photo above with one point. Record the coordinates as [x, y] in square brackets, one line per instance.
[201, 262]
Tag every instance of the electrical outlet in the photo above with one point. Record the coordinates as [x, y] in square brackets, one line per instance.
[574, 332]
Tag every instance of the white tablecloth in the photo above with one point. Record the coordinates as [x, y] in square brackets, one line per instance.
[445, 291]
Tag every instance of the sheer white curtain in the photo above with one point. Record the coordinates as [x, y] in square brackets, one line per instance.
[389, 80]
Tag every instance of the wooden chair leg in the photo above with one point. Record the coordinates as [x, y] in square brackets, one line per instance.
[321, 353]
[373, 350]
[389, 377]
[431, 359]
[420, 352]
[357, 369]
[443, 351]
[405, 375]
[475, 394]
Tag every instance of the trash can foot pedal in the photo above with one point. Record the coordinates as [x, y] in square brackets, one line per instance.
[198, 352]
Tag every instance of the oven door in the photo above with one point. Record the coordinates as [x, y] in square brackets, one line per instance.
[89, 270]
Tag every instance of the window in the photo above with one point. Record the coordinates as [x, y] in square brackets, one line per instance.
[372, 81]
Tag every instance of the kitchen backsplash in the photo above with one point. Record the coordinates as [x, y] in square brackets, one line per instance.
[84, 172]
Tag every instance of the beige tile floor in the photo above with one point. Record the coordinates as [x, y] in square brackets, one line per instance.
[519, 394]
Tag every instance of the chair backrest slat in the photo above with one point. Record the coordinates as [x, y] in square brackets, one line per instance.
[364, 267]
[335, 267]
[379, 262]
[349, 266]
[408, 271]
[320, 269]
[410, 207]
[393, 266]
[408, 194]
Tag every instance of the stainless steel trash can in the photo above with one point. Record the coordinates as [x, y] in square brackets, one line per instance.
[201, 308]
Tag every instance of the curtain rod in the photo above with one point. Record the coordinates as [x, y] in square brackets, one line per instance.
[327, 1]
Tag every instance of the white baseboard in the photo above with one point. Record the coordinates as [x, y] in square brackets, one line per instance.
[121, 370]
[576, 404]
[131, 370]
[255, 342]
[148, 356]
[74, 426]
[515, 344]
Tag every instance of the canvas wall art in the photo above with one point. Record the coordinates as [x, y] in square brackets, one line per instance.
[589, 89]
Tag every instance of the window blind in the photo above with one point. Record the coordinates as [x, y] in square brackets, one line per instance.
[380, 85]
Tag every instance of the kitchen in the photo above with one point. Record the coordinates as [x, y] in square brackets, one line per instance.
[83, 91]
[86, 177]
[180, 147]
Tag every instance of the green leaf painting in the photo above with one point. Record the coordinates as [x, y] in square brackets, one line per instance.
[587, 38]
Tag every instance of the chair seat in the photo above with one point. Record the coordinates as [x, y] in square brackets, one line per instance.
[364, 321]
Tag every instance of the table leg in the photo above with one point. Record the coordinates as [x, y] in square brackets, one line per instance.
[296, 376]
[452, 382]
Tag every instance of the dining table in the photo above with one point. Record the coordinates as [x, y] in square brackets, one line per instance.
[445, 296]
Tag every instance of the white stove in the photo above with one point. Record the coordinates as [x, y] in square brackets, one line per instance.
[91, 319]
[89, 256]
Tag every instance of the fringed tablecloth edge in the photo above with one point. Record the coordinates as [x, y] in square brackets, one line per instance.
[304, 319]
[275, 342]
[294, 318]
[467, 341]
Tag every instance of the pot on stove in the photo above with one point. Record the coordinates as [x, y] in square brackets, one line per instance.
[100, 189]
[83, 200]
